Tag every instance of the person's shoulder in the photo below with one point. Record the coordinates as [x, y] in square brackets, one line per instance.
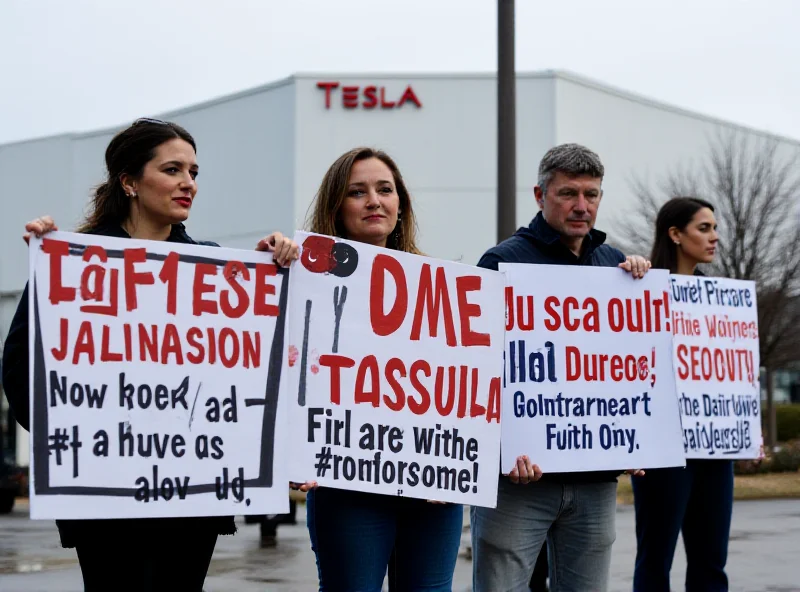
[607, 255]
[515, 249]
[180, 235]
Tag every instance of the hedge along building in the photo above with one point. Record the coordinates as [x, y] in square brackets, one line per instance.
[264, 151]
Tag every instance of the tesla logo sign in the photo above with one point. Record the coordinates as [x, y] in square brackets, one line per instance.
[367, 97]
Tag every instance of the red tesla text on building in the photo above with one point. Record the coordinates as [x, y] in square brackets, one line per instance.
[370, 96]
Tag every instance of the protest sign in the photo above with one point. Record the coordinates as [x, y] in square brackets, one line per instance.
[588, 382]
[155, 379]
[716, 360]
[395, 365]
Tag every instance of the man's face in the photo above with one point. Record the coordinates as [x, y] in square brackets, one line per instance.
[570, 204]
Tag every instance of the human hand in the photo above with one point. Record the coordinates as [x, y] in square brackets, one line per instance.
[284, 250]
[307, 486]
[636, 265]
[524, 471]
[38, 227]
[635, 472]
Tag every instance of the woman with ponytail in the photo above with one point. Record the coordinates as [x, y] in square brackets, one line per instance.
[148, 194]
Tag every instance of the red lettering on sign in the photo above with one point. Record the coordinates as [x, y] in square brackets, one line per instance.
[199, 305]
[466, 311]
[387, 323]
[58, 291]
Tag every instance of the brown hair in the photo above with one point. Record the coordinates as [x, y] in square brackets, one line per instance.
[327, 203]
[127, 153]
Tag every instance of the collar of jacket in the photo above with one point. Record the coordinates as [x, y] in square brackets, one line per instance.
[542, 232]
[176, 235]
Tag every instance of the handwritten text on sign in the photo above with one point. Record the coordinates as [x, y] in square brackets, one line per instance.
[155, 378]
[715, 322]
[588, 381]
[396, 364]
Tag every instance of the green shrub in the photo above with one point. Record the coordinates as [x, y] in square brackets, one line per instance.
[785, 460]
[788, 419]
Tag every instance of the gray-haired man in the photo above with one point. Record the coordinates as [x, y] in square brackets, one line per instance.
[574, 512]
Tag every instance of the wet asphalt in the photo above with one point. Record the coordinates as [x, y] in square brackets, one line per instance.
[764, 555]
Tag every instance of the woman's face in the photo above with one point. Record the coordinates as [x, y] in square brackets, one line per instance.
[371, 205]
[698, 241]
[165, 191]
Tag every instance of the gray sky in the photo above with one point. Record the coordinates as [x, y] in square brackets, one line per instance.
[75, 65]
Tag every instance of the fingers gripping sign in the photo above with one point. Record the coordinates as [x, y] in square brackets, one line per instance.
[39, 227]
[524, 471]
[636, 265]
[284, 250]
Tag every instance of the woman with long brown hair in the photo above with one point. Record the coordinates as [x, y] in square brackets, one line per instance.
[363, 198]
[149, 190]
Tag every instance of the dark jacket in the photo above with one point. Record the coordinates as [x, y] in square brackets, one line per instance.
[15, 384]
[540, 243]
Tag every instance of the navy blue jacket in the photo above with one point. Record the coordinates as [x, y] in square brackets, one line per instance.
[540, 243]
[15, 385]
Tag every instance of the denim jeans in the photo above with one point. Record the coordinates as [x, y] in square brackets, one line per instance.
[576, 519]
[697, 500]
[353, 535]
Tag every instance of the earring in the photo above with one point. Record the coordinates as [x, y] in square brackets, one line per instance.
[678, 243]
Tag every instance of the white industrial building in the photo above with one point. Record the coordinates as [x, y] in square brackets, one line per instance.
[263, 153]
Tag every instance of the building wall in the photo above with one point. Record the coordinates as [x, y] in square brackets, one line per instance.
[445, 150]
[245, 149]
[636, 138]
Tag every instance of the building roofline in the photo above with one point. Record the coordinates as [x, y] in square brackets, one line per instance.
[531, 75]
[655, 103]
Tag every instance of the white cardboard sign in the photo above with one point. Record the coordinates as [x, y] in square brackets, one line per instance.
[589, 383]
[395, 365]
[715, 322]
[155, 379]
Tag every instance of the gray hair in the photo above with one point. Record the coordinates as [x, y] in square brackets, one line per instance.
[571, 159]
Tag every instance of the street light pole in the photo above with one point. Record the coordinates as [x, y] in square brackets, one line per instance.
[506, 122]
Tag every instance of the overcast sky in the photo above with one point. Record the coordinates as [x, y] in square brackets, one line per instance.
[76, 65]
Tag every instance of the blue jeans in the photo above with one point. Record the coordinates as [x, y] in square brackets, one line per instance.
[576, 519]
[697, 500]
[353, 535]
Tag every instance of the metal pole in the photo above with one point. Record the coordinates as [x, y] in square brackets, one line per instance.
[506, 122]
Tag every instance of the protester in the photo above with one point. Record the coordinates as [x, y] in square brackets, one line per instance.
[574, 512]
[697, 500]
[150, 188]
[355, 535]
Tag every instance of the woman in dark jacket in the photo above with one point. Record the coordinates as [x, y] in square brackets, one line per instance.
[149, 191]
[696, 500]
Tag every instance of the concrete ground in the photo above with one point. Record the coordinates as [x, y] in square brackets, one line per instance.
[764, 555]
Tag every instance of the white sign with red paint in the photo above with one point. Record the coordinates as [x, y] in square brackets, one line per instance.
[395, 364]
[715, 322]
[155, 379]
[589, 383]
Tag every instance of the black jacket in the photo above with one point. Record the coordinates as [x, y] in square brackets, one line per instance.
[540, 243]
[15, 384]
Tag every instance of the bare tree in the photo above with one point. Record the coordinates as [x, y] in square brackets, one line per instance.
[755, 189]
